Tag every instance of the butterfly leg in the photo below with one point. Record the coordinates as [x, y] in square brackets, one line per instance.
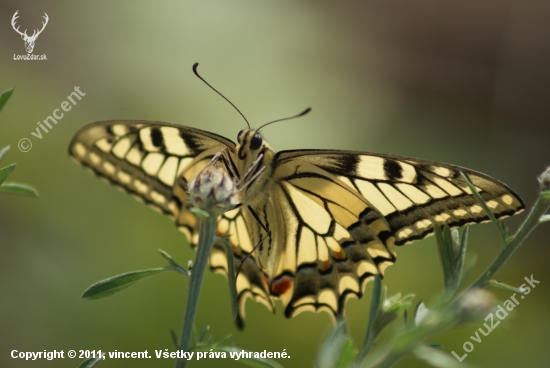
[252, 173]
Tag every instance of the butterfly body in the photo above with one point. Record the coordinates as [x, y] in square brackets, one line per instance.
[253, 153]
[313, 226]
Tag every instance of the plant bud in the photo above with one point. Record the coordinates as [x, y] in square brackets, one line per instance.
[213, 191]
[544, 180]
[475, 304]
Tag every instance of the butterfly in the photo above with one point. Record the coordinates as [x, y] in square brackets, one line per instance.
[313, 227]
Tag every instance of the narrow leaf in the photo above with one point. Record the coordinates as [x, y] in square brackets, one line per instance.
[231, 279]
[3, 151]
[419, 313]
[173, 263]
[18, 188]
[4, 97]
[89, 363]
[260, 363]
[483, 205]
[115, 284]
[204, 333]
[347, 357]
[446, 256]
[504, 286]
[174, 337]
[336, 348]
[437, 358]
[5, 171]
[375, 305]
[462, 252]
[199, 213]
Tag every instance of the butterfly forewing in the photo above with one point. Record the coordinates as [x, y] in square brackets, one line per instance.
[412, 194]
[152, 161]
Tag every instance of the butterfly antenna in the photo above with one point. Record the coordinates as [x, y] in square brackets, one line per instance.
[292, 117]
[195, 66]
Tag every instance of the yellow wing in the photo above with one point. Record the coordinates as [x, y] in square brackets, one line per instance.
[335, 217]
[328, 224]
[154, 161]
[414, 194]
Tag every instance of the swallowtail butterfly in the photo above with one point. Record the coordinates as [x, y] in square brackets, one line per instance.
[326, 221]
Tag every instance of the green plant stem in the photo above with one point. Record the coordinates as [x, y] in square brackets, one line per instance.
[375, 304]
[533, 220]
[207, 233]
[231, 280]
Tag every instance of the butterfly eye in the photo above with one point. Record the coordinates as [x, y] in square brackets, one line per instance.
[256, 142]
[239, 135]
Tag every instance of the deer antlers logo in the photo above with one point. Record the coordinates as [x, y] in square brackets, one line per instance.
[29, 40]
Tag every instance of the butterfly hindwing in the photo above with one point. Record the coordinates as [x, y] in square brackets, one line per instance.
[326, 241]
[251, 281]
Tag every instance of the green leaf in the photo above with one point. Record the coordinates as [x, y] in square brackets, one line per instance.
[89, 363]
[437, 358]
[504, 286]
[338, 349]
[18, 188]
[231, 279]
[349, 352]
[174, 337]
[419, 313]
[173, 264]
[3, 151]
[483, 205]
[115, 284]
[205, 333]
[5, 171]
[463, 241]
[378, 295]
[260, 363]
[199, 213]
[451, 245]
[4, 97]
[446, 254]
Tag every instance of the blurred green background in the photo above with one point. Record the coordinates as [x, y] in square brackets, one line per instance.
[459, 82]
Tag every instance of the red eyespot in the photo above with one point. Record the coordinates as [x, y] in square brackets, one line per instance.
[281, 286]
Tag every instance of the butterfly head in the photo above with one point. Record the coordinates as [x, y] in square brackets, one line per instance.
[251, 144]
